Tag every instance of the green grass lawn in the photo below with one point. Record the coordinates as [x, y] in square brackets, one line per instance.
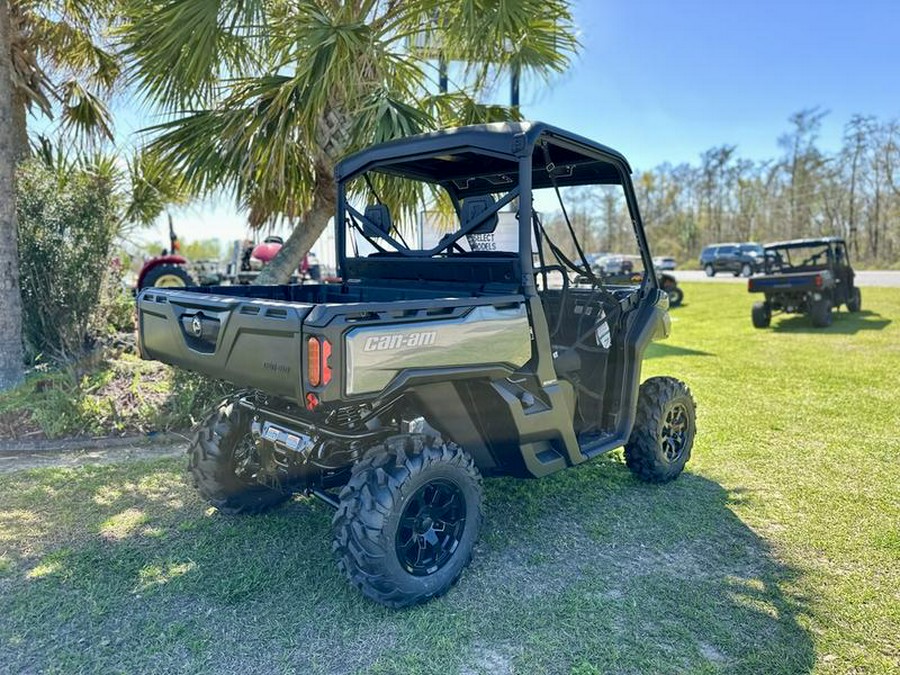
[777, 551]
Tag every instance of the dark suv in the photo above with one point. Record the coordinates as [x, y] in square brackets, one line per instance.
[739, 259]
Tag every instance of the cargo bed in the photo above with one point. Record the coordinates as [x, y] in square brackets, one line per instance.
[792, 282]
[256, 336]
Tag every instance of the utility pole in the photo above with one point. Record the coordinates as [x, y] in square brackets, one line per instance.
[442, 73]
[514, 87]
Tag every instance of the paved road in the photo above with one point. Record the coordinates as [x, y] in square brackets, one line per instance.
[863, 278]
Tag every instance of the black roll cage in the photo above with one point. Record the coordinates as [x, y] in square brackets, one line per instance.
[512, 142]
[829, 243]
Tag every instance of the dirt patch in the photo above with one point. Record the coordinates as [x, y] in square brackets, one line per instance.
[18, 425]
[711, 654]
[72, 458]
[496, 660]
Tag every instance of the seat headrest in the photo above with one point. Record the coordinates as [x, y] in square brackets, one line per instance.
[472, 207]
[380, 217]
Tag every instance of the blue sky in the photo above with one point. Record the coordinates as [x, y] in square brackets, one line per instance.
[664, 81]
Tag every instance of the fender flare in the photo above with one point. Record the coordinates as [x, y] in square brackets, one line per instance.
[156, 262]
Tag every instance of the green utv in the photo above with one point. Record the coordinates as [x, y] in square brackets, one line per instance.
[450, 350]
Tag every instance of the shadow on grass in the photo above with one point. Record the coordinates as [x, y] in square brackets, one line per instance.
[125, 569]
[658, 350]
[843, 323]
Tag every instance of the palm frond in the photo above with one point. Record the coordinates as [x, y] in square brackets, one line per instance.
[153, 186]
[328, 78]
[72, 51]
[254, 145]
[84, 114]
[181, 50]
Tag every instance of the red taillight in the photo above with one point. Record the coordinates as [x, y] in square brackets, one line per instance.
[819, 281]
[313, 362]
[312, 401]
[318, 351]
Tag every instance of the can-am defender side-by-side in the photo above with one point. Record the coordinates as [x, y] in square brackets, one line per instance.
[805, 276]
[389, 395]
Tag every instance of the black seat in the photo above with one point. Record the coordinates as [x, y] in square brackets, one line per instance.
[379, 216]
[472, 207]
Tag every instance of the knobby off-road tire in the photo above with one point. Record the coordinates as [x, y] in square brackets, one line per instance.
[384, 513]
[168, 276]
[820, 313]
[664, 430]
[676, 296]
[213, 458]
[854, 304]
[761, 315]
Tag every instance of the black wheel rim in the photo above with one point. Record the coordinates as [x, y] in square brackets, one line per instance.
[676, 430]
[431, 527]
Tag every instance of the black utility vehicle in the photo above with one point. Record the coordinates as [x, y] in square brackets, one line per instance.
[739, 259]
[669, 284]
[805, 276]
[389, 395]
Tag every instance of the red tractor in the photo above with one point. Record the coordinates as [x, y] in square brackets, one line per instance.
[167, 270]
[173, 270]
[249, 259]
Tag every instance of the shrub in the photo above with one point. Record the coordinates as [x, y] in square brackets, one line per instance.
[192, 396]
[67, 223]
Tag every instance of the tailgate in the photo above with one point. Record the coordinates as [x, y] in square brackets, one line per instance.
[784, 282]
[250, 342]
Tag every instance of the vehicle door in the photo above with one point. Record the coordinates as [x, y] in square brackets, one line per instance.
[843, 272]
[727, 259]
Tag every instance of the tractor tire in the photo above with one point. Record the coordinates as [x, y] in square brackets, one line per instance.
[710, 270]
[386, 536]
[746, 270]
[218, 446]
[820, 313]
[854, 304]
[761, 315]
[676, 296]
[168, 276]
[664, 429]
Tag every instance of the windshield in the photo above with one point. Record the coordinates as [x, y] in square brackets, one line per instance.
[752, 249]
[803, 256]
[601, 220]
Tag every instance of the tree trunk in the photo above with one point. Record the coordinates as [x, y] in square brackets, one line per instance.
[305, 233]
[19, 115]
[11, 355]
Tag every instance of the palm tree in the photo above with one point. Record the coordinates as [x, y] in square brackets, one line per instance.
[53, 59]
[63, 65]
[266, 95]
[11, 357]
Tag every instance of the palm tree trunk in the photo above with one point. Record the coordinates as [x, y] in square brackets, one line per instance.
[312, 224]
[19, 115]
[11, 356]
